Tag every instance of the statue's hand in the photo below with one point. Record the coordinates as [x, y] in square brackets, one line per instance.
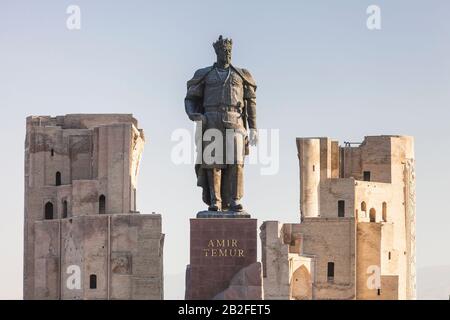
[198, 117]
[253, 137]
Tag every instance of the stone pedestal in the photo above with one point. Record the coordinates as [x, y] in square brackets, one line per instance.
[223, 260]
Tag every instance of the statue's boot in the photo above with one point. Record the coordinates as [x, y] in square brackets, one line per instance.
[236, 205]
[214, 181]
[237, 186]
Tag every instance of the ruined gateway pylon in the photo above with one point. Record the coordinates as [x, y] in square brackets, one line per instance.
[83, 236]
[356, 239]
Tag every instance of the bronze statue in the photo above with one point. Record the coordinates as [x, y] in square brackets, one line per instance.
[221, 98]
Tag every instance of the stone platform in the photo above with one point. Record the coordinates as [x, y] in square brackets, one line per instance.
[222, 214]
[223, 264]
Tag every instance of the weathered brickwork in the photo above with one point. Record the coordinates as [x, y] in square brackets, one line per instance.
[81, 219]
[356, 238]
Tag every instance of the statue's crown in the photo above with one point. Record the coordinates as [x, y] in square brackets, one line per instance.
[222, 43]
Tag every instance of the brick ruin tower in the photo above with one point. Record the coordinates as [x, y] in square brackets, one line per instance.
[356, 239]
[83, 235]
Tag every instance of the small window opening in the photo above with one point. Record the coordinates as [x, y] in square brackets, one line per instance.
[330, 272]
[102, 204]
[384, 213]
[65, 209]
[58, 179]
[372, 215]
[341, 208]
[92, 281]
[48, 211]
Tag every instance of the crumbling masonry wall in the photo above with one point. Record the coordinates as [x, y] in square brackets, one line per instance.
[80, 210]
[357, 213]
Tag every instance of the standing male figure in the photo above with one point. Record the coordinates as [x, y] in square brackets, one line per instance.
[221, 98]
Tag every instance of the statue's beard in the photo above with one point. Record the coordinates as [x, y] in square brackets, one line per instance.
[224, 61]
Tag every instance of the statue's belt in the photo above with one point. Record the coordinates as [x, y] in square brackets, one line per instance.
[223, 109]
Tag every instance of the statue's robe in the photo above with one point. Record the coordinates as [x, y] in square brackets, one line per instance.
[207, 89]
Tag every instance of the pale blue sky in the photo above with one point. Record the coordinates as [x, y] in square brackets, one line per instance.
[320, 72]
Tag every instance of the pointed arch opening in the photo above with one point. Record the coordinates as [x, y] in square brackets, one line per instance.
[301, 284]
[330, 272]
